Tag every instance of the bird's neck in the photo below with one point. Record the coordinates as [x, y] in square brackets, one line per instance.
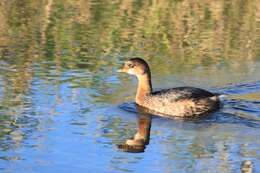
[144, 87]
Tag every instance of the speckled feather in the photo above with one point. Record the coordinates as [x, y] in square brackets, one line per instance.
[181, 102]
[180, 93]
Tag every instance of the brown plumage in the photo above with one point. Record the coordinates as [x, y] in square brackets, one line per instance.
[177, 102]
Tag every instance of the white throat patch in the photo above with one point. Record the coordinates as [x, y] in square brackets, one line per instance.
[130, 71]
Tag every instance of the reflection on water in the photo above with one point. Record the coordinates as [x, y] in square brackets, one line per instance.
[142, 136]
[59, 93]
[246, 167]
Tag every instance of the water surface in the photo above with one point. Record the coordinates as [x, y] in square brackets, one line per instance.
[63, 107]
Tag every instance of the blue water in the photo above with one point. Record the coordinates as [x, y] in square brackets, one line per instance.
[58, 129]
[63, 107]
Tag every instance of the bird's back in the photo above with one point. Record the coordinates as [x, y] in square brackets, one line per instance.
[181, 93]
[181, 101]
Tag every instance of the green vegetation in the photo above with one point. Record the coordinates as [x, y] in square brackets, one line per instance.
[93, 34]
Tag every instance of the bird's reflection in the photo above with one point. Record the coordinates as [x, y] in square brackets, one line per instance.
[141, 138]
[246, 167]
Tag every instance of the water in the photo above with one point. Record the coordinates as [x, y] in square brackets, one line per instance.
[63, 107]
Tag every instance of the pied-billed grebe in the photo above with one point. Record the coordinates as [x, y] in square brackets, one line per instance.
[175, 102]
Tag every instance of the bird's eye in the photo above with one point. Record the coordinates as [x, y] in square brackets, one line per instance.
[130, 65]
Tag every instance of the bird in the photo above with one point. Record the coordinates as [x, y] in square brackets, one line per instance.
[184, 102]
